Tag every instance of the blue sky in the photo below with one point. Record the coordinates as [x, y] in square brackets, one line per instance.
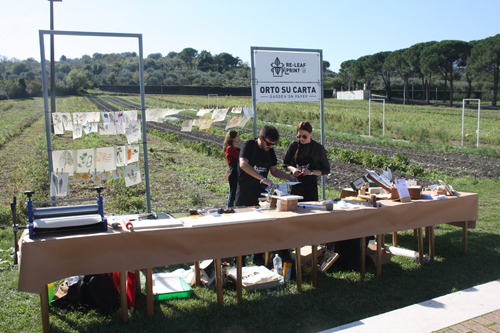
[344, 30]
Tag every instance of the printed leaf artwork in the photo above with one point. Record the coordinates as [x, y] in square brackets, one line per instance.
[133, 131]
[120, 128]
[58, 184]
[67, 121]
[79, 118]
[96, 178]
[248, 112]
[85, 160]
[108, 117]
[132, 175]
[58, 123]
[237, 122]
[119, 117]
[132, 154]
[105, 159]
[120, 156]
[82, 177]
[236, 110]
[107, 129]
[130, 116]
[203, 112]
[93, 117]
[117, 174]
[64, 161]
[219, 114]
[107, 175]
[205, 122]
[187, 125]
[87, 128]
[153, 114]
[77, 131]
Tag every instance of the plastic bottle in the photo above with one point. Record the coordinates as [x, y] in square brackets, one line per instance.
[277, 264]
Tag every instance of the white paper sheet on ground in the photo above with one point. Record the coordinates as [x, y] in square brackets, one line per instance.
[201, 112]
[153, 114]
[108, 117]
[236, 110]
[205, 123]
[120, 128]
[120, 154]
[132, 154]
[57, 121]
[93, 117]
[130, 115]
[248, 112]
[132, 175]
[239, 121]
[64, 161]
[219, 114]
[85, 160]
[133, 131]
[81, 177]
[105, 159]
[58, 184]
[187, 125]
[117, 174]
[220, 219]
[77, 131]
[119, 118]
[107, 129]
[67, 121]
[96, 177]
[79, 118]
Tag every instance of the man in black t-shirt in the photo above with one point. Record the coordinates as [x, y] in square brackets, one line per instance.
[257, 158]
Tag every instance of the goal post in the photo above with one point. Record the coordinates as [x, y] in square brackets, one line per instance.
[478, 118]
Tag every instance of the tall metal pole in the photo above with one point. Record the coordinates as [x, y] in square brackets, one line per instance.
[52, 65]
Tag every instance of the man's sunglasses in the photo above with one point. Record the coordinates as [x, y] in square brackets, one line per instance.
[303, 136]
[268, 143]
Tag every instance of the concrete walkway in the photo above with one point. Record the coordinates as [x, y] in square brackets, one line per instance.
[475, 309]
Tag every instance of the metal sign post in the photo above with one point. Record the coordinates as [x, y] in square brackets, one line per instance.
[478, 118]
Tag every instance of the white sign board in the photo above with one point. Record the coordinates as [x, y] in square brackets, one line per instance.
[287, 76]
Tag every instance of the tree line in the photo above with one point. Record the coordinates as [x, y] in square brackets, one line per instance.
[448, 61]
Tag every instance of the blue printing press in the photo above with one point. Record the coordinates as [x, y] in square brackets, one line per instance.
[61, 219]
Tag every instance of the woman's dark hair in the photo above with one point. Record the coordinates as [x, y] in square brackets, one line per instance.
[305, 126]
[228, 141]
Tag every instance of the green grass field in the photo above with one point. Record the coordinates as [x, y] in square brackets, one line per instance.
[341, 297]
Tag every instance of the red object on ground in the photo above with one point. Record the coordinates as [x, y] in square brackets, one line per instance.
[130, 288]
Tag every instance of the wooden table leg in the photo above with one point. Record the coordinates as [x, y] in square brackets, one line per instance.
[394, 239]
[298, 269]
[239, 279]
[44, 305]
[426, 235]
[314, 272]
[362, 258]
[420, 247]
[137, 283]
[149, 292]
[123, 296]
[432, 248]
[380, 240]
[218, 281]
[415, 234]
[465, 236]
[197, 273]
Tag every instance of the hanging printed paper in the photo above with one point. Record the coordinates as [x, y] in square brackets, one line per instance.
[58, 184]
[120, 156]
[87, 128]
[67, 121]
[133, 131]
[64, 161]
[117, 174]
[120, 128]
[195, 121]
[96, 178]
[219, 114]
[77, 131]
[85, 160]
[132, 154]
[119, 118]
[107, 175]
[58, 123]
[236, 110]
[203, 112]
[81, 177]
[237, 122]
[132, 175]
[108, 117]
[107, 129]
[105, 159]
[130, 116]
[152, 114]
[79, 118]
[170, 112]
[248, 112]
[205, 122]
[187, 125]
[93, 117]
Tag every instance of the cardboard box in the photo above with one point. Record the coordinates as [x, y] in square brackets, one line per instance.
[371, 252]
[326, 258]
[413, 190]
[257, 278]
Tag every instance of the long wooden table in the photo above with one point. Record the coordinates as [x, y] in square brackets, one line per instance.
[42, 261]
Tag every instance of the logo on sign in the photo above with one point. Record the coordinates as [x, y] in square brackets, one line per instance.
[278, 68]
